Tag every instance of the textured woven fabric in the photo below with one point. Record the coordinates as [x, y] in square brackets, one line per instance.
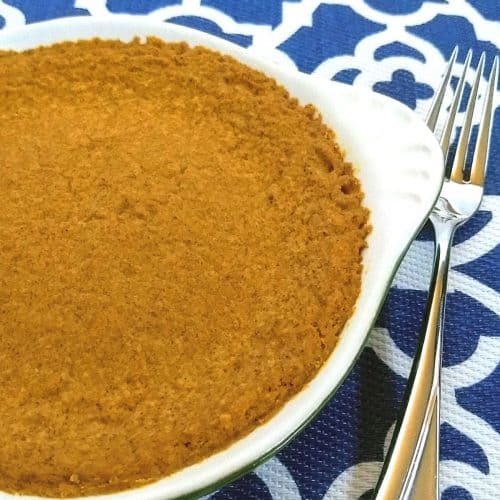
[398, 48]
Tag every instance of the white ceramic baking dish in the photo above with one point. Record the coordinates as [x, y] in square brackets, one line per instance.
[401, 169]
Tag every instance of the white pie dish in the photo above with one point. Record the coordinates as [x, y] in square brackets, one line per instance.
[400, 166]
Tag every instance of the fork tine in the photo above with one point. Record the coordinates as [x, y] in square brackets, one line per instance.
[433, 114]
[450, 121]
[480, 159]
[457, 169]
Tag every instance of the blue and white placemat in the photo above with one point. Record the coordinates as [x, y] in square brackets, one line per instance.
[398, 48]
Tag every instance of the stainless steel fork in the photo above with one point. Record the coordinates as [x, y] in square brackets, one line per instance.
[411, 468]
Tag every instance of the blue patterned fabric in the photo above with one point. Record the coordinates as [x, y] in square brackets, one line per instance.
[398, 48]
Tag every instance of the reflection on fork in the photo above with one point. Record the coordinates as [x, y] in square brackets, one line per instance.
[411, 468]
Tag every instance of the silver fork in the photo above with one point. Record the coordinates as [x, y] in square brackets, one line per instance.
[411, 468]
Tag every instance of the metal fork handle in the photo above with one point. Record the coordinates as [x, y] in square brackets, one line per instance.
[403, 469]
[427, 476]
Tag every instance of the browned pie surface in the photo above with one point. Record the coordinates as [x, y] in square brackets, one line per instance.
[179, 249]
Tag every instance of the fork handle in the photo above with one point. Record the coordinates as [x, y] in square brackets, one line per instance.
[426, 480]
[416, 434]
